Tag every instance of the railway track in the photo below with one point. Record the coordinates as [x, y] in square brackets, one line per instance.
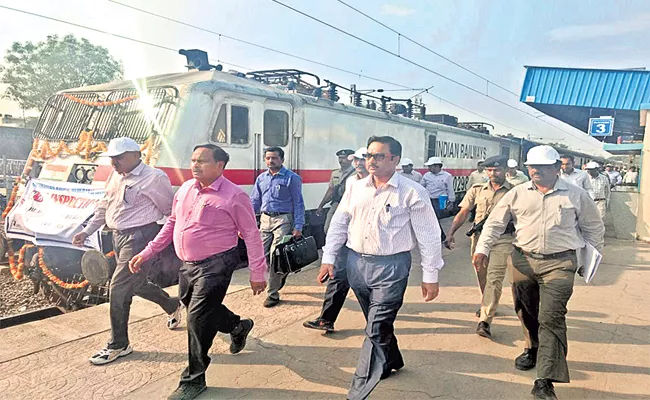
[30, 316]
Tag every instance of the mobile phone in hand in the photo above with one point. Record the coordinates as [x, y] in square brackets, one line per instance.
[325, 278]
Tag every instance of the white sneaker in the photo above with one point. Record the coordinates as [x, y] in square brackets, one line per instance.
[106, 356]
[174, 319]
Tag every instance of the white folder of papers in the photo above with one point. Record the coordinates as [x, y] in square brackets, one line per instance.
[590, 259]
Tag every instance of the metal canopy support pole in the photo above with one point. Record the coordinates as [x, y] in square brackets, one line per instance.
[643, 216]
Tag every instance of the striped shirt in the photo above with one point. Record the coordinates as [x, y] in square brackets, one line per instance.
[135, 199]
[386, 221]
[600, 188]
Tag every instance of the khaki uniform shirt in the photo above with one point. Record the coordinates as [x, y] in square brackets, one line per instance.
[518, 179]
[477, 178]
[484, 198]
[562, 219]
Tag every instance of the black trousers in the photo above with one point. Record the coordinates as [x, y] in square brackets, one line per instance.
[337, 289]
[202, 289]
[436, 207]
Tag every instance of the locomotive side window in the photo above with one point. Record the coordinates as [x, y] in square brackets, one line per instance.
[431, 147]
[239, 125]
[220, 131]
[276, 128]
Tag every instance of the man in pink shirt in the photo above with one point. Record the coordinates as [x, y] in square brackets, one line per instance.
[208, 213]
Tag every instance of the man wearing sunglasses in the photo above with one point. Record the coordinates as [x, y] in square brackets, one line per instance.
[552, 220]
[380, 220]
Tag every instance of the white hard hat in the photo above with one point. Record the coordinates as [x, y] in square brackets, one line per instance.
[433, 161]
[406, 161]
[120, 146]
[512, 163]
[542, 155]
[592, 165]
[358, 154]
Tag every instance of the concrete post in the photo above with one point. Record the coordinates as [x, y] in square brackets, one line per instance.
[643, 217]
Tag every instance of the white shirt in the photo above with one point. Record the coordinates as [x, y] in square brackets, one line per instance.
[386, 221]
[631, 177]
[476, 178]
[600, 187]
[415, 176]
[615, 177]
[580, 179]
[439, 184]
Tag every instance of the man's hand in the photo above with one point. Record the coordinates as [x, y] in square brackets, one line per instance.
[258, 287]
[479, 261]
[296, 234]
[135, 264]
[79, 239]
[325, 269]
[430, 291]
[450, 242]
[319, 211]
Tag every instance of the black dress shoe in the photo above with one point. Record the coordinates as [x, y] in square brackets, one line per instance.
[270, 302]
[187, 391]
[319, 324]
[543, 390]
[392, 366]
[527, 360]
[483, 329]
[239, 334]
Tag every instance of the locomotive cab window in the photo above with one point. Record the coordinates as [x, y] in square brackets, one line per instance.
[238, 125]
[276, 128]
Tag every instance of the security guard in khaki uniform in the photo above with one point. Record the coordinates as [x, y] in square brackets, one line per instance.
[552, 220]
[336, 185]
[485, 196]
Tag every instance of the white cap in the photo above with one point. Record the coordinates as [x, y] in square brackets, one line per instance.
[120, 146]
[542, 155]
[592, 165]
[433, 160]
[512, 163]
[358, 154]
[406, 161]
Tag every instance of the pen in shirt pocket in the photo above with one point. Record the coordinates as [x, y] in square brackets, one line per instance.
[387, 208]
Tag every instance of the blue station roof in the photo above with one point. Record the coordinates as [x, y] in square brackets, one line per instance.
[573, 95]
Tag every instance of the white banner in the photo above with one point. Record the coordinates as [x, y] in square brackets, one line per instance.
[51, 213]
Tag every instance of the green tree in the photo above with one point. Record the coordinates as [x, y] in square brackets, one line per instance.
[34, 72]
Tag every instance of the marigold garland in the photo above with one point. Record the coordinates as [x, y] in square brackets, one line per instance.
[12, 261]
[12, 199]
[56, 280]
[99, 103]
[18, 272]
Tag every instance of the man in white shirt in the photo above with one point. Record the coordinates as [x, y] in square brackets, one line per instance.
[513, 175]
[380, 220]
[409, 172]
[577, 177]
[337, 285]
[438, 183]
[614, 176]
[631, 176]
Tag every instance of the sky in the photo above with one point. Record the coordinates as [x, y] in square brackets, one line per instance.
[494, 39]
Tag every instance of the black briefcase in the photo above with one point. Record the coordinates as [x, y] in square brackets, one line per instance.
[294, 255]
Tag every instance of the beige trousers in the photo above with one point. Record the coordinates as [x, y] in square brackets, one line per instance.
[496, 272]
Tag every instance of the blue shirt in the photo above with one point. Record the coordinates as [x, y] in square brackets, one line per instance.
[281, 192]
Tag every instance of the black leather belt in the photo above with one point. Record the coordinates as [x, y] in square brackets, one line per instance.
[553, 256]
[211, 258]
[600, 199]
[274, 214]
[129, 231]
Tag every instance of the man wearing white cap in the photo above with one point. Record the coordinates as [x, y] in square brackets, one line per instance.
[409, 172]
[600, 187]
[137, 196]
[439, 183]
[513, 175]
[552, 220]
[338, 285]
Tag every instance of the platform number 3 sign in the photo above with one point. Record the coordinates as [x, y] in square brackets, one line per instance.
[601, 126]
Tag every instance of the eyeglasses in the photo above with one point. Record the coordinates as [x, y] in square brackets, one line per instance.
[377, 156]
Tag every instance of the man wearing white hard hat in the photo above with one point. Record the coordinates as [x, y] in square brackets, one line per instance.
[137, 196]
[600, 187]
[408, 171]
[338, 285]
[439, 183]
[478, 177]
[513, 175]
[552, 219]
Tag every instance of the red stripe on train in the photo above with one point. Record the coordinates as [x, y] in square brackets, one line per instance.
[247, 176]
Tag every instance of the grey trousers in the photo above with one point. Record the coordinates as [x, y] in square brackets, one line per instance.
[272, 230]
[379, 282]
[541, 290]
[337, 288]
[124, 284]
